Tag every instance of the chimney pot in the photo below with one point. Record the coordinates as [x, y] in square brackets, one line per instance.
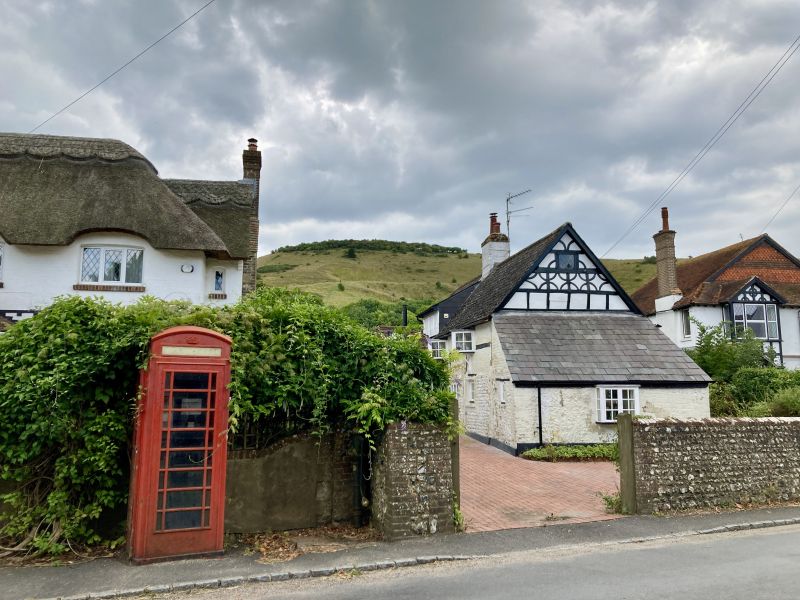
[665, 219]
[494, 224]
[252, 144]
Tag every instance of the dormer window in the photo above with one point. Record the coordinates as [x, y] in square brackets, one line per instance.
[463, 342]
[112, 264]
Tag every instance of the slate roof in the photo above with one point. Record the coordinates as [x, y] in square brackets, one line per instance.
[697, 277]
[54, 188]
[500, 282]
[577, 348]
[225, 206]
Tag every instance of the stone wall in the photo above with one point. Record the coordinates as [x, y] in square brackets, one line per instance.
[296, 483]
[412, 485]
[684, 464]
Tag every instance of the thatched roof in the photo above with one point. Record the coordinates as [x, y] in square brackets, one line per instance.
[225, 206]
[53, 189]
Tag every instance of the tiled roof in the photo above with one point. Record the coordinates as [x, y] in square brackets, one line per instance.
[500, 282]
[712, 278]
[571, 348]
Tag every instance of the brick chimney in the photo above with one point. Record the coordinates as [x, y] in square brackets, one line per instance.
[495, 248]
[665, 259]
[251, 163]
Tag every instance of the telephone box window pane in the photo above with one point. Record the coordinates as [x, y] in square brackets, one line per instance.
[186, 458]
[182, 420]
[187, 439]
[159, 519]
[182, 479]
[206, 514]
[184, 499]
[163, 439]
[208, 478]
[208, 498]
[161, 480]
[191, 381]
[160, 500]
[183, 519]
[190, 400]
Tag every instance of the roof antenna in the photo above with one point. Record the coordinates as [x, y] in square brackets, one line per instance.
[510, 212]
[741, 237]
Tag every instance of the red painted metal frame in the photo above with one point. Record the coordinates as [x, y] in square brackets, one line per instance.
[147, 510]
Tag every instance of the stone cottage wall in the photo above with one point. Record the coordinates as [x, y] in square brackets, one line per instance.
[684, 464]
[412, 485]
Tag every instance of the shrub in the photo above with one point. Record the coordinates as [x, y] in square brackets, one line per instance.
[340, 286]
[553, 453]
[721, 356]
[722, 401]
[786, 403]
[68, 384]
[275, 268]
[760, 384]
[350, 253]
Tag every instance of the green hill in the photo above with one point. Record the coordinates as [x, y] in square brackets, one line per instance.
[405, 272]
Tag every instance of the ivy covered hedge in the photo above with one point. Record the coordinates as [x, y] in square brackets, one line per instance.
[68, 384]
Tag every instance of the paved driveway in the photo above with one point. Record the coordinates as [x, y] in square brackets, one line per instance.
[501, 491]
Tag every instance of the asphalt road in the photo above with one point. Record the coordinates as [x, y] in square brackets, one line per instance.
[743, 565]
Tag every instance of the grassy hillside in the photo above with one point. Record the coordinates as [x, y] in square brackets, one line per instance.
[391, 276]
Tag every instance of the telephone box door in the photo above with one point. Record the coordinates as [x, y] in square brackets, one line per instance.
[178, 481]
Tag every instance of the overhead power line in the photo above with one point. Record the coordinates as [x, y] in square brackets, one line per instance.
[780, 208]
[723, 129]
[110, 75]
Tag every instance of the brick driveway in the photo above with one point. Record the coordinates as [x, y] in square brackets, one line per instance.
[500, 491]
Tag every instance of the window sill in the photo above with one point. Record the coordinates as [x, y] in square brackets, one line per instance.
[103, 287]
[217, 296]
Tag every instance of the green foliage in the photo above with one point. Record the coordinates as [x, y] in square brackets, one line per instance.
[722, 400]
[327, 245]
[350, 253]
[275, 268]
[553, 453]
[786, 403]
[758, 385]
[68, 384]
[373, 313]
[340, 286]
[613, 503]
[721, 356]
[649, 260]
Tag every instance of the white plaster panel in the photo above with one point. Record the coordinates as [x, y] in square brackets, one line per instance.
[518, 300]
[616, 303]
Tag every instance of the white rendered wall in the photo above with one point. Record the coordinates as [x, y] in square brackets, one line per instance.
[430, 324]
[570, 414]
[34, 275]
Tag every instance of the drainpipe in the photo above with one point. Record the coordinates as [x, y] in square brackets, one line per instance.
[539, 394]
[358, 475]
[405, 315]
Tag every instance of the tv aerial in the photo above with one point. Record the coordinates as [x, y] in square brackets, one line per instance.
[510, 212]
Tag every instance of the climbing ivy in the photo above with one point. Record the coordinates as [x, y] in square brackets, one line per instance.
[68, 386]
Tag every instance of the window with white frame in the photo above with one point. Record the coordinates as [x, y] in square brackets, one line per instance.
[462, 341]
[219, 280]
[686, 323]
[469, 387]
[437, 347]
[111, 264]
[611, 401]
[762, 319]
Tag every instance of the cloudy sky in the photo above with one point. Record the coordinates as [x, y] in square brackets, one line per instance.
[412, 120]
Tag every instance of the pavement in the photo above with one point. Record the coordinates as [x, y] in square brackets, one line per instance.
[108, 578]
[501, 491]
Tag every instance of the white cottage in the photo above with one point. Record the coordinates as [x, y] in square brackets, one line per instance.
[753, 283]
[92, 217]
[554, 349]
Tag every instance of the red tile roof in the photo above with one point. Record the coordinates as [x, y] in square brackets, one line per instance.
[713, 278]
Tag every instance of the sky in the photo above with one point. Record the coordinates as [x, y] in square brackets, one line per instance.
[413, 120]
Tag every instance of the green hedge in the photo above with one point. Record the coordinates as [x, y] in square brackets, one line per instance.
[573, 453]
[68, 383]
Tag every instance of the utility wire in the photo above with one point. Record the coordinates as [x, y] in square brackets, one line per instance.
[90, 90]
[723, 129]
[782, 206]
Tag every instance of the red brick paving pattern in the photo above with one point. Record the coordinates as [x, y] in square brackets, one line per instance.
[500, 491]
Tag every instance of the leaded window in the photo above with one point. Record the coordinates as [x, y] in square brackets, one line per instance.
[611, 401]
[101, 264]
[219, 280]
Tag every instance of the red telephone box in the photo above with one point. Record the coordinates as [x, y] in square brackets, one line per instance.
[177, 501]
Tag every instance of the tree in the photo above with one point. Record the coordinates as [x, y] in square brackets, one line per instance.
[350, 253]
[721, 355]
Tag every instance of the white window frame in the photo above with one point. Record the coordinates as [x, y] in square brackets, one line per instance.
[603, 391]
[101, 267]
[469, 390]
[743, 321]
[686, 324]
[464, 341]
[436, 347]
